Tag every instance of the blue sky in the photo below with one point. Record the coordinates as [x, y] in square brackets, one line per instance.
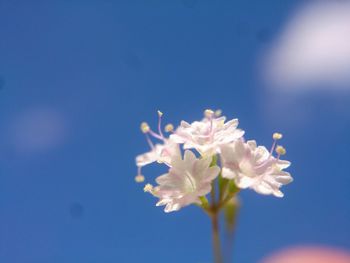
[78, 77]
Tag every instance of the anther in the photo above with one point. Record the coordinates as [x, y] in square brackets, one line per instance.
[218, 113]
[148, 188]
[280, 150]
[145, 127]
[139, 178]
[208, 113]
[277, 136]
[160, 114]
[169, 127]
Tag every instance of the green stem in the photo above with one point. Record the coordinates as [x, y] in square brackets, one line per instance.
[225, 187]
[212, 194]
[231, 211]
[223, 183]
[204, 201]
[226, 200]
[232, 191]
[216, 238]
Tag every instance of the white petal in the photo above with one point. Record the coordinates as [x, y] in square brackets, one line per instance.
[228, 173]
[252, 144]
[263, 188]
[232, 124]
[177, 138]
[243, 181]
[212, 173]
[284, 179]
[283, 164]
[146, 158]
[278, 193]
[239, 150]
[171, 207]
[185, 124]
[189, 158]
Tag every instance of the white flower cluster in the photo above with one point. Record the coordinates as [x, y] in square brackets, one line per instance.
[191, 173]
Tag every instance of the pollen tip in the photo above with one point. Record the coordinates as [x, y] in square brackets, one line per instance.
[208, 113]
[148, 188]
[281, 150]
[160, 114]
[218, 113]
[277, 136]
[169, 127]
[144, 127]
[139, 178]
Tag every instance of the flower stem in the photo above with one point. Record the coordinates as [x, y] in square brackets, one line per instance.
[231, 212]
[216, 238]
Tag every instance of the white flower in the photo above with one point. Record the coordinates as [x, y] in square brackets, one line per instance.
[186, 181]
[161, 153]
[253, 166]
[208, 135]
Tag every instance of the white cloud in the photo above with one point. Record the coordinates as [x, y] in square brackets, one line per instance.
[313, 49]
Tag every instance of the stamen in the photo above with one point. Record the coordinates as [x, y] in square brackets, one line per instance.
[139, 178]
[149, 141]
[169, 128]
[155, 135]
[160, 114]
[276, 136]
[208, 113]
[144, 127]
[218, 113]
[148, 188]
[280, 150]
[273, 146]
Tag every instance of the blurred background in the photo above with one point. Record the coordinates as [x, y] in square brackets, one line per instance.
[78, 77]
